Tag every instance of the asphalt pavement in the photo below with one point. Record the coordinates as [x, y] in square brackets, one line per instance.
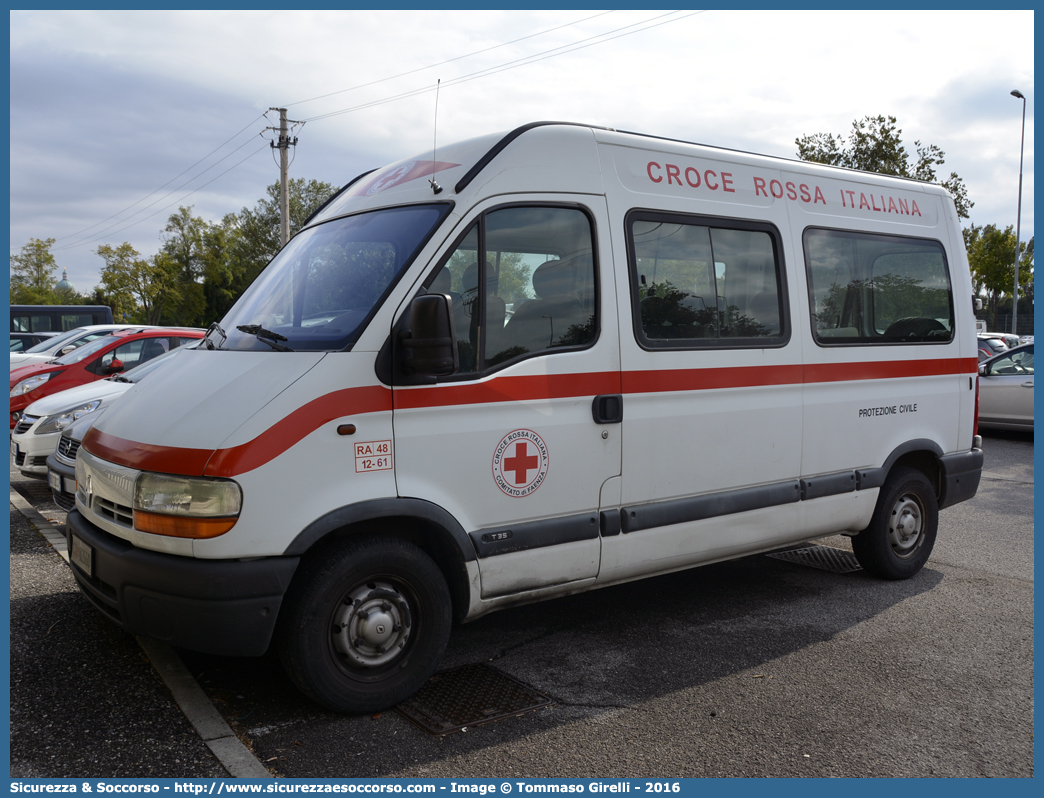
[756, 667]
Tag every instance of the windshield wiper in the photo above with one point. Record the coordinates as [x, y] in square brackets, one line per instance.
[269, 337]
[206, 338]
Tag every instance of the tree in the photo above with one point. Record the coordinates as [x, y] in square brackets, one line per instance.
[257, 229]
[137, 288]
[991, 255]
[34, 274]
[875, 145]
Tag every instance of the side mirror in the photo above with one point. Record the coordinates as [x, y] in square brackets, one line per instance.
[66, 349]
[114, 366]
[432, 338]
[984, 370]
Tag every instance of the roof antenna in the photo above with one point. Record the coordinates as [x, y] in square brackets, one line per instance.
[435, 187]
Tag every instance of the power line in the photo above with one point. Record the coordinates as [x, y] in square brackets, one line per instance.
[197, 163]
[525, 61]
[96, 236]
[447, 61]
[602, 38]
[178, 201]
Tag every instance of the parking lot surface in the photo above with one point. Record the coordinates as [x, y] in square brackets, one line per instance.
[756, 667]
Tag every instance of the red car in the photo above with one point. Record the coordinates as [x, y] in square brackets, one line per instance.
[100, 358]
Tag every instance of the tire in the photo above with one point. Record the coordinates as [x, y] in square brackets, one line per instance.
[364, 624]
[902, 531]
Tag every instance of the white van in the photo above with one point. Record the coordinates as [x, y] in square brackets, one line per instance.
[671, 355]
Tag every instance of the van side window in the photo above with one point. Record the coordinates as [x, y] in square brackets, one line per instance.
[697, 282]
[867, 288]
[535, 293]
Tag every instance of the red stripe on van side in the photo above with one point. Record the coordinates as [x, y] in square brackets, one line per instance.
[887, 370]
[510, 389]
[286, 433]
[754, 376]
[239, 459]
[709, 379]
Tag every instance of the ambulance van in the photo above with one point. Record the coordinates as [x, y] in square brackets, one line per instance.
[528, 365]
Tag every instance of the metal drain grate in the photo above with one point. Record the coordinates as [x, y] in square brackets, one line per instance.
[468, 696]
[824, 557]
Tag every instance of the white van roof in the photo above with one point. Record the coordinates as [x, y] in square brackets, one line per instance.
[573, 158]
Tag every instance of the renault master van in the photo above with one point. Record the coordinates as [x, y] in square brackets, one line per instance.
[528, 365]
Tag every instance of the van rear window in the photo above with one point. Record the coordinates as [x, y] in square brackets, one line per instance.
[867, 288]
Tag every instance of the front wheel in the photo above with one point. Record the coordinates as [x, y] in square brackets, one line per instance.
[365, 624]
[899, 539]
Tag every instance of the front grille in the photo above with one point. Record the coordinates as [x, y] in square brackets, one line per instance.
[119, 513]
[64, 500]
[24, 424]
[67, 449]
[20, 459]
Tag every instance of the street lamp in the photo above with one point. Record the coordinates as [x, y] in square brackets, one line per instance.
[1018, 218]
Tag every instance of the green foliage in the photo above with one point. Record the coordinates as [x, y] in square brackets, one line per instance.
[138, 289]
[34, 274]
[991, 255]
[254, 232]
[875, 145]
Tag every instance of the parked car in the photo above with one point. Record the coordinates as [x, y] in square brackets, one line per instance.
[990, 346]
[21, 341]
[38, 430]
[1010, 339]
[63, 343]
[61, 463]
[1006, 390]
[112, 354]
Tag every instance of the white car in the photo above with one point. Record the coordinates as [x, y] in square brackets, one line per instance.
[64, 343]
[40, 428]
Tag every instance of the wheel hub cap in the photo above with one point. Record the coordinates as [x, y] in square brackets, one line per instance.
[904, 530]
[372, 625]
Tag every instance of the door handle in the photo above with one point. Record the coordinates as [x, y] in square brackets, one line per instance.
[607, 408]
[1028, 384]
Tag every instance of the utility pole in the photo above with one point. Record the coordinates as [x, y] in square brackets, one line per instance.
[285, 142]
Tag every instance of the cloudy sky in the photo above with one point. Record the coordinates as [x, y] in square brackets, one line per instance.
[119, 117]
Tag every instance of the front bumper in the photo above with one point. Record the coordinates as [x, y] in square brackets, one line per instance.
[61, 476]
[225, 607]
[31, 460]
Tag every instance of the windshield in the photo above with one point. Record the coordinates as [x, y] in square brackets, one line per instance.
[321, 289]
[50, 344]
[84, 351]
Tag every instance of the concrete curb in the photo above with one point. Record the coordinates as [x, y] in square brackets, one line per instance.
[230, 751]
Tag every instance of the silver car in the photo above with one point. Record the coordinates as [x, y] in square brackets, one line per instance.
[1006, 390]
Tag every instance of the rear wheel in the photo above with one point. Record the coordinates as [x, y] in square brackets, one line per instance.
[365, 625]
[899, 539]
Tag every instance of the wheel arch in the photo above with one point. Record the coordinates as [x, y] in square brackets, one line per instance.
[922, 454]
[424, 524]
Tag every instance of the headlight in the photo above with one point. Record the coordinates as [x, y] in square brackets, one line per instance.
[59, 421]
[185, 507]
[31, 383]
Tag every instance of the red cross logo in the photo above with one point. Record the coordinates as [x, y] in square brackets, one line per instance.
[521, 463]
